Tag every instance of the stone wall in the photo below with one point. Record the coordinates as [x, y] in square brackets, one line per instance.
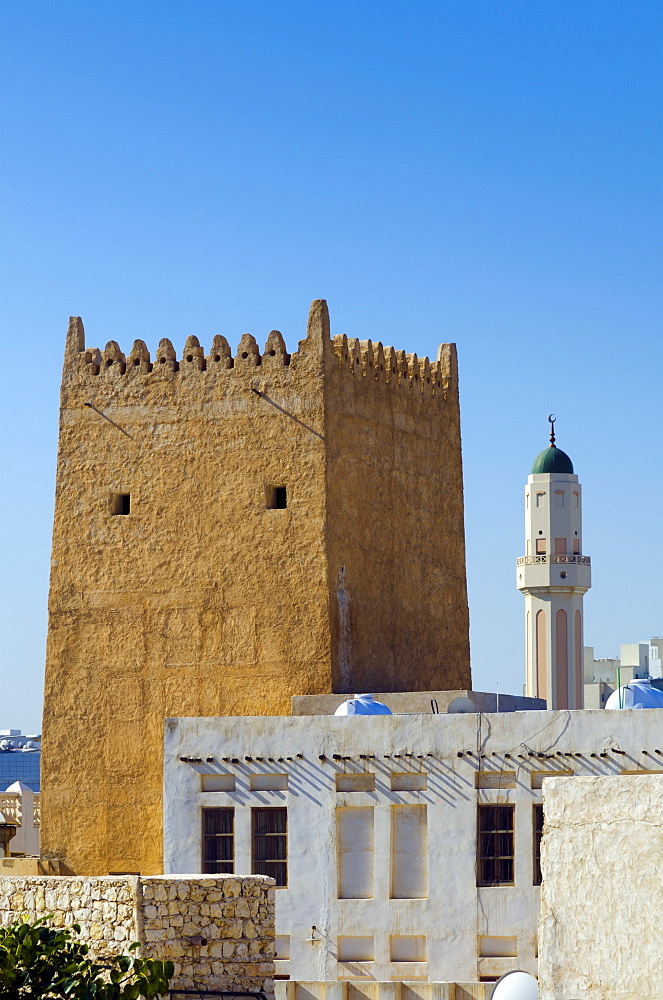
[217, 929]
[602, 896]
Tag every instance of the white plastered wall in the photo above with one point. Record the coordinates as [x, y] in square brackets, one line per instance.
[456, 916]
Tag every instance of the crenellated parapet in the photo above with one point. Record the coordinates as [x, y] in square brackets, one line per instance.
[361, 359]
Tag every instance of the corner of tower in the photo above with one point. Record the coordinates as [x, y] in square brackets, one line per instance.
[74, 347]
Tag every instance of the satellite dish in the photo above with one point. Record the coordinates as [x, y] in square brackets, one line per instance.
[516, 986]
[461, 706]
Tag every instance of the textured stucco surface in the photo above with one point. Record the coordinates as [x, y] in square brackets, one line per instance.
[170, 917]
[602, 896]
[204, 602]
[466, 761]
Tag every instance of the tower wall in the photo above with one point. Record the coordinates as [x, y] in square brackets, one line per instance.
[396, 543]
[207, 598]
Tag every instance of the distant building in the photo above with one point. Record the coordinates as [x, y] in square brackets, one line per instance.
[553, 576]
[19, 822]
[20, 759]
[603, 676]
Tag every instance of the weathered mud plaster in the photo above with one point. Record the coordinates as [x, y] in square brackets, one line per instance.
[602, 895]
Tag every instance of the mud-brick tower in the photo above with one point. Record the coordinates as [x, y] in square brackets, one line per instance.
[554, 575]
[230, 532]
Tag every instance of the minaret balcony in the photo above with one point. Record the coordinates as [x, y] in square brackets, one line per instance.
[547, 559]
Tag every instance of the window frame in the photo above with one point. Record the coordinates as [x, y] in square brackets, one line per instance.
[504, 862]
[226, 866]
[274, 867]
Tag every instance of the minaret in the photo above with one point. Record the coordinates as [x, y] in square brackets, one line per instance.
[553, 576]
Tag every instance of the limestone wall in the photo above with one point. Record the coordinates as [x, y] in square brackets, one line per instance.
[217, 929]
[602, 896]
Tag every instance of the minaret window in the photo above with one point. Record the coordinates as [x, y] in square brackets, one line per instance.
[559, 498]
[540, 546]
[560, 546]
[540, 499]
[576, 546]
[576, 499]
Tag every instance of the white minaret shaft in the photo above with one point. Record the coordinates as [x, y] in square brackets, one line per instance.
[553, 575]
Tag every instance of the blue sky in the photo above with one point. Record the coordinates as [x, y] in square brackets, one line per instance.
[488, 173]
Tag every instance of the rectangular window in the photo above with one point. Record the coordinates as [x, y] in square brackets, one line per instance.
[495, 845]
[120, 503]
[270, 843]
[407, 947]
[498, 947]
[559, 498]
[538, 831]
[217, 782]
[277, 498]
[540, 499]
[495, 779]
[282, 947]
[409, 781]
[537, 777]
[355, 845]
[218, 845]
[560, 546]
[576, 499]
[576, 546]
[361, 782]
[355, 949]
[409, 852]
[540, 546]
[268, 782]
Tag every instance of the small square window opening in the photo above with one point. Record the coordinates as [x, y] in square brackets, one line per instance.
[120, 503]
[277, 498]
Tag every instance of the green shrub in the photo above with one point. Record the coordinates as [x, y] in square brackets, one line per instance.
[41, 961]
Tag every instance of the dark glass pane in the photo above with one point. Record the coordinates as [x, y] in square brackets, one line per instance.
[270, 843]
[218, 820]
[269, 821]
[218, 841]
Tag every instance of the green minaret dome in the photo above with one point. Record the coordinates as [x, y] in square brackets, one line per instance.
[551, 460]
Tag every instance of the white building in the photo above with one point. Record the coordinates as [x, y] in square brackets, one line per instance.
[554, 575]
[19, 819]
[603, 676]
[406, 845]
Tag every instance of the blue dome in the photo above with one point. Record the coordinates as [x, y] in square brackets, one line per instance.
[362, 704]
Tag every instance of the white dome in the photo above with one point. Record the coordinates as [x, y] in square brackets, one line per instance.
[362, 704]
[636, 694]
[516, 985]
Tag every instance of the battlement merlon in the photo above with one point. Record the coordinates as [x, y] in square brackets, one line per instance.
[360, 358]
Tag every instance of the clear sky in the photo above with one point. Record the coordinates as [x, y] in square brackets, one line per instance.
[487, 172]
